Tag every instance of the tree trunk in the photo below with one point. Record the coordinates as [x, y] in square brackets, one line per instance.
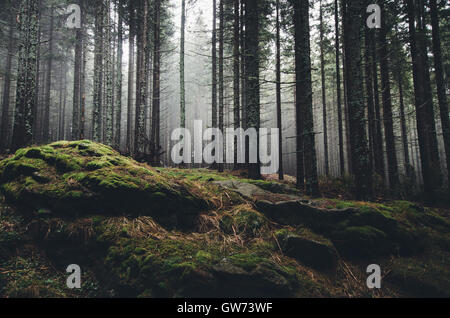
[278, 93]
[6, 101]
[369, 37]
[156, 151]
[356, 108]
[221, 87]
[109, 66]
[26, 75]
[77, 82]
[118, 111]
[252, 77]
[338, 90]
[387, 103]
[440, 83]
[304, 93]
[236, 76]
[130, 78]
[48, 82]
[182, 81]
[324, 92]
[98, 73]
[141, 79]
[426, 128]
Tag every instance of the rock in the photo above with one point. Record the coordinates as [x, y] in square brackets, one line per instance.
[275, 192]
[308, 251]
[247, 190]
[262, 281]
[83, 177]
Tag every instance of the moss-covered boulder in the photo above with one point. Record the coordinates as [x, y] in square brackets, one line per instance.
[307, 247]
[83, 177]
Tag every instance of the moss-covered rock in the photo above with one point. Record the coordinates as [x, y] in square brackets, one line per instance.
[76, 178]
[243, 220]
[422, 278]
[307, 247]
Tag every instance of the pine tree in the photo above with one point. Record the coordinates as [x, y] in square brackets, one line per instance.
[356, 106]
[28, 26]
[304, 94]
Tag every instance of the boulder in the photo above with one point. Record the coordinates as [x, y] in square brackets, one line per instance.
[320, 255]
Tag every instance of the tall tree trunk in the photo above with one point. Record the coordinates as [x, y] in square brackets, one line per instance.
[6, 101]
[98, 73]
[378, 134]
[109, 65]
[304, 93]
[278, 93]
[156, 151]
[118, 111]
[359, 150]
[252, 77]
[440, 83]
[426, 127]
[214, 67]
[221, 84]
[83, 87]
[143, 60]
[338, 90]
[243, 76]
[77, 81]
[387, 103]
[130, 77]
[48, 82]
[369, 37]
[403, 124]
[236, 76]
[182, 81]
[37, 121]
[26, 75]
[324, 92]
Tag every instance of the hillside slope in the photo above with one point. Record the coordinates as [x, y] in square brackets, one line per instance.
[138, 231]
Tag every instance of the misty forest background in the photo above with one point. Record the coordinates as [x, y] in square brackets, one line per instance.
[359, 106]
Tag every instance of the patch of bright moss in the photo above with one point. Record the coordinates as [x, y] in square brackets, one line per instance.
[243, 220]
[84, 177]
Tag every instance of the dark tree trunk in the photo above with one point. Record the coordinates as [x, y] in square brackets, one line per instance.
[26, 75]
[440, 83]
[338, 90]
[369, 37]
[278, 93]
[324, 92]
[359, 150]
[304, 94]
[6, 101]
[252, 77]
[48, 83]
[130, 78]
[378, 134]
[236, 76]
[98, 74]
[387, 104]
[221, 84]
[156, 151]
[182, 80]
[426, 127]
[118, 119]
[77, 81]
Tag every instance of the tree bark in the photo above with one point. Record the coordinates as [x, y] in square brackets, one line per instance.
[356, 108]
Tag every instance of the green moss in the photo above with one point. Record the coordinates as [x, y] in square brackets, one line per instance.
[243, 220]
[362, 241]
[422, 278]
[84, 177]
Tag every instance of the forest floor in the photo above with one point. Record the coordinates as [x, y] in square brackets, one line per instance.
[139, 231]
